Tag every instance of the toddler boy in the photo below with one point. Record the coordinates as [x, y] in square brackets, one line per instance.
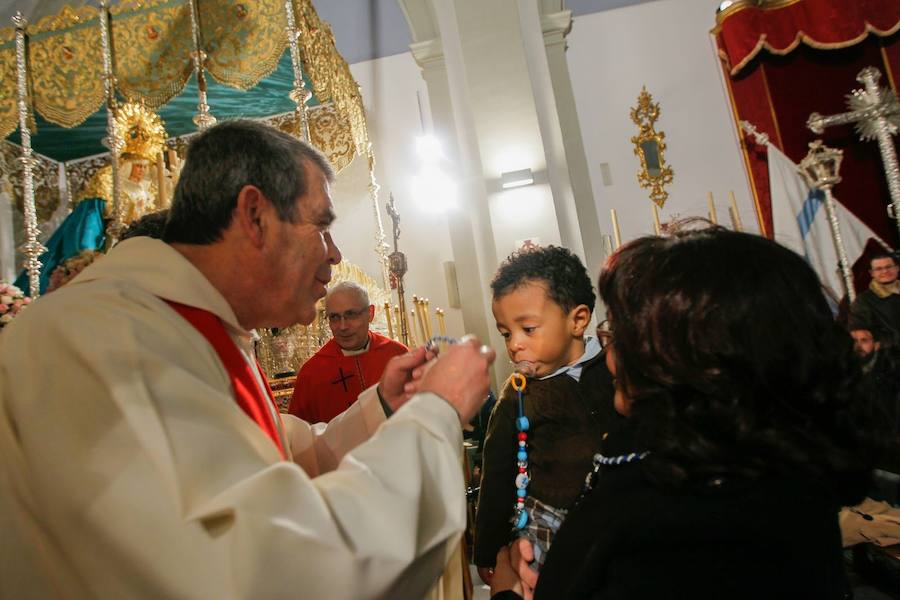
[542, 303]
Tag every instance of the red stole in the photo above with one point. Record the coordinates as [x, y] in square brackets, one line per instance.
[243, 382]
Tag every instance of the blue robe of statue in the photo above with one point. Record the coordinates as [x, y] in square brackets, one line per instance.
[83, 229]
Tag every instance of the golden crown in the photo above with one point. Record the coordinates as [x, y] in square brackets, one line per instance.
[141, 130]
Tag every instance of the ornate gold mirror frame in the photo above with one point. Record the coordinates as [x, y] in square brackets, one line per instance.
[650, 147]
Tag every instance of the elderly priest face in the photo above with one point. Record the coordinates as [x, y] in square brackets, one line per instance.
[349, 315]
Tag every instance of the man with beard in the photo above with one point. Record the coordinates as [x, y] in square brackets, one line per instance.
[881, 369]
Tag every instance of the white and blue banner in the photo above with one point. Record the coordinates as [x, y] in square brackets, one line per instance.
[801, 223]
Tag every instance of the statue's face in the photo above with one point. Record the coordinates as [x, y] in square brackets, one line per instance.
[138, 170]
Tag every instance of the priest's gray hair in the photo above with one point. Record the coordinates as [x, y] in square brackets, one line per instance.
[349, 286]
[225, 158]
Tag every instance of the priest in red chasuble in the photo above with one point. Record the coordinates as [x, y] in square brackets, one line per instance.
[332, 379]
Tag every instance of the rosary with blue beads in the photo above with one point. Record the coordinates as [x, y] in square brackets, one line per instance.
[518, 382]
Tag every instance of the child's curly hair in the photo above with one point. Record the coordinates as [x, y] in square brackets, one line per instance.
[568, 282]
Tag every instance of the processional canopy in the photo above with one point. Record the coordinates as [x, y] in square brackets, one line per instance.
[135, 56]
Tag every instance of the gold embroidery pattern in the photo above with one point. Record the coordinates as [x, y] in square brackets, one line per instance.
[65, 66]
[152, 49]
[330, 73]
[67, 17]
[8, 112]
[332, 135]
[244, 40]
[327, 132]
[152, 44]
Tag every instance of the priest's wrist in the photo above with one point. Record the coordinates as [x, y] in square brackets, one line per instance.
[388, 411]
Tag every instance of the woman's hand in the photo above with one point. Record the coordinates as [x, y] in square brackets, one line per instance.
[505, 577]
[521, 556]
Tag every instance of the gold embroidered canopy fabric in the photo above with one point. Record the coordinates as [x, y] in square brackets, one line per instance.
[152, 48]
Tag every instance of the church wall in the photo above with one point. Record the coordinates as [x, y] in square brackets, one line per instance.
[521, 214]
[666, 46]
[389, 86]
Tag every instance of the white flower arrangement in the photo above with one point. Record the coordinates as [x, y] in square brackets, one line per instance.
[12, 301]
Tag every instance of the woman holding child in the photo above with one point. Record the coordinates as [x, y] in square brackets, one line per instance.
[746, 432]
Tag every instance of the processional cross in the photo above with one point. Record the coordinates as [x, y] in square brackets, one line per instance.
[875, 114]
[397, 266]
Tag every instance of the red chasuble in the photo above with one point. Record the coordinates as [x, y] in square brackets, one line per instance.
[329, 382]
[258, 406]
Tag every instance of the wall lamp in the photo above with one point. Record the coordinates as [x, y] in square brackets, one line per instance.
[513, 179]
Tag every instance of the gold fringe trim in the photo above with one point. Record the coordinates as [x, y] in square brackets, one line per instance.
[801, 37]
[741, 5]
[155, 100]
[266, 68]
[69, 119]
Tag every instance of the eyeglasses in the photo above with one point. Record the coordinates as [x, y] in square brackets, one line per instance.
[348, 315]
[604, 333]
[884, 268]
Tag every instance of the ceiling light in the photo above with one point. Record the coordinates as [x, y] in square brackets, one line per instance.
[513, 179]
[429, 148]
[434, 190]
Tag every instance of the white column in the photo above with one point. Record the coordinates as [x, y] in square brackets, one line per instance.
[470, 230]
[538, 72]
[555, 28]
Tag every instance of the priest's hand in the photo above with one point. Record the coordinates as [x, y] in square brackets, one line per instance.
[400, 378]
[460, 376]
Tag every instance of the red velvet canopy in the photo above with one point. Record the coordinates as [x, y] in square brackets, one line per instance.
[785, 59]
[745, 28]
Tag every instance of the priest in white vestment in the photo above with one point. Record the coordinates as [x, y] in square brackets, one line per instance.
[128, 470]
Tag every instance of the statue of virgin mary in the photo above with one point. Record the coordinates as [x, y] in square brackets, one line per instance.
[85, 228]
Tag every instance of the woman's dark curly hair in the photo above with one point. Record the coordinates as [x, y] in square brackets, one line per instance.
[568, 282]
[734, 363]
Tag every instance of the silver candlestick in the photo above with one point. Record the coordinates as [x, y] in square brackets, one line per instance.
[32, 248]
